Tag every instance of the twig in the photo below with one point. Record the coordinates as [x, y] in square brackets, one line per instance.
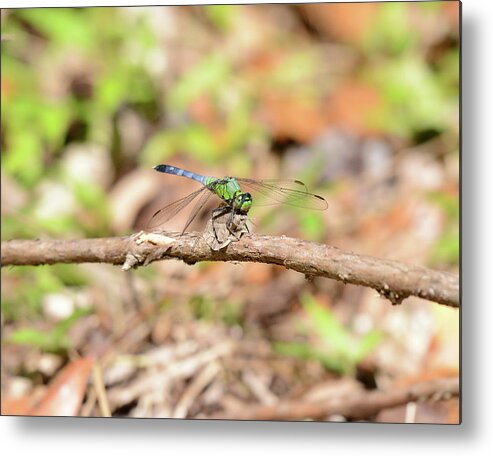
[355, 406]
[260, 390]
[100, 390]
[179, 369]
[87, 407]
[198, 384]
[393, 280]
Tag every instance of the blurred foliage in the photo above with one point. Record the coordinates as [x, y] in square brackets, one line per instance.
[221, 15]
[392, 33]
[337, 348]
[416, 98]
[32, 284]
[228, 311]
[54, 340]
[417, 95]
[447, 249]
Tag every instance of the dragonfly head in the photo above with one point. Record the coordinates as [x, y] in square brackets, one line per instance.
[243, 202]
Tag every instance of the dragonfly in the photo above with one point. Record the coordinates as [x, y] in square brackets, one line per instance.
[233, 198]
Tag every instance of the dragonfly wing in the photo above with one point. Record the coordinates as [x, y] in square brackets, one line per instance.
[204, 198]
[293, 184]
[166, 213]
[290, 192]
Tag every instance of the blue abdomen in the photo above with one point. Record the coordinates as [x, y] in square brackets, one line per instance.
[181, 172]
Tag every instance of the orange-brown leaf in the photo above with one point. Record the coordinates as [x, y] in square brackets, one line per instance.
[66, 392]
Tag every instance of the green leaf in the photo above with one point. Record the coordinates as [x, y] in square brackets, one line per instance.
[448, 203]
[326, 325]
[232, 312]
[367, 344]
[447, 249]
[221, 15]
[198, 142]
[308, 353]
[202, 307]
[158, 148]
[54, 119]
[90, 195]
[53, 341]
[207, 76]
[70, 275]
[64, 26]
[23, 158]
[339, 350]
[392, 31]
[111, 91]
[45, 341]
[415, 97]
[312, 225]
[59, 225]
[294, 349]
[297, 70]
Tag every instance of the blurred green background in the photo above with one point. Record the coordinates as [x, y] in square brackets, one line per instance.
[361, 101]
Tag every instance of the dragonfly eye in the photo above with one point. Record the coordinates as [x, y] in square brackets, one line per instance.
[245, 202]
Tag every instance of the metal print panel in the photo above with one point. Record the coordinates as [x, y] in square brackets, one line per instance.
[239, 212]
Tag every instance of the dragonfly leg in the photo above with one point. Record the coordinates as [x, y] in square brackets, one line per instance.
[229, 225]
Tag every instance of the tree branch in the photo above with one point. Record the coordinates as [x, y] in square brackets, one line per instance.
[354, 406]
[393, 280]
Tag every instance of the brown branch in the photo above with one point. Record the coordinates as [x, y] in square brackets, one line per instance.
[393, 280]
[356, 406]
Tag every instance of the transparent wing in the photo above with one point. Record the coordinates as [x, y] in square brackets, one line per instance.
[204, 198]
[166, 213]
[290, 192]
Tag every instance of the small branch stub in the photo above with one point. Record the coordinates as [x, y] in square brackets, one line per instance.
[134, 259]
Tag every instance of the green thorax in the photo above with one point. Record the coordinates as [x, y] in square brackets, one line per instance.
[226, 188]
